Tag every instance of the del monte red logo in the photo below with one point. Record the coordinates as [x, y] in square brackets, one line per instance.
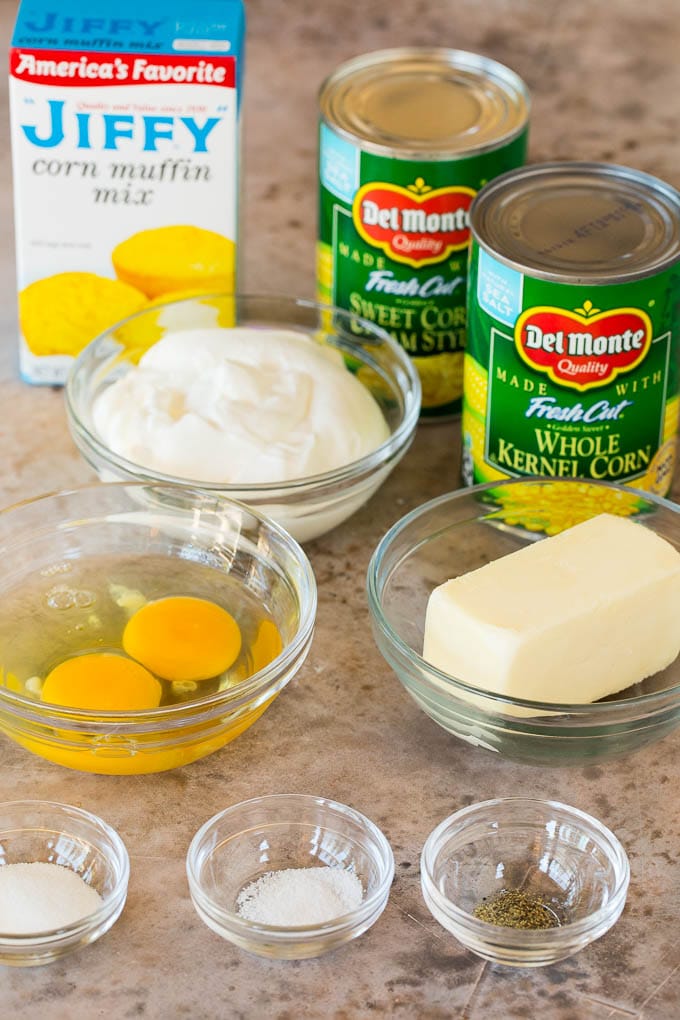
[583, 348]
[418, 225]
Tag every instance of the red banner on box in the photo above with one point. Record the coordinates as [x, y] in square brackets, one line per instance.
[90, 69]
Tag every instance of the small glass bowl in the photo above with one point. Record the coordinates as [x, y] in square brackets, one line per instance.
[568, 859]
[466, 529]
[42, 831]
[306, 507]
[43, 543]
[244, 842]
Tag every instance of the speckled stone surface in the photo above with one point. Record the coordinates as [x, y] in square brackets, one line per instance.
[606, 81]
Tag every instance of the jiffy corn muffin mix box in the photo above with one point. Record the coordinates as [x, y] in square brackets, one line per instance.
[125, 140]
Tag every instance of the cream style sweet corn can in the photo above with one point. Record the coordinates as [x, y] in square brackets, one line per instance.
[571, 369]
[407, 138]
[125, 148]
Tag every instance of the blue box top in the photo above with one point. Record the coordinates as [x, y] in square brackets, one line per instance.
[190, 27]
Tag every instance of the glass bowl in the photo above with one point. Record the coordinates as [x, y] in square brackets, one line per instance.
[557, 855]
[76, 564]
[306, 507]
[243, 843]
[41, 831]
[465, 529]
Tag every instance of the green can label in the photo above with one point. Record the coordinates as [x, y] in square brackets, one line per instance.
[393, 244]
[569, 381]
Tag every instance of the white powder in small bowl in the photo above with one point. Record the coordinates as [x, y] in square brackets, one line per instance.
[293, 897]
[39, 897]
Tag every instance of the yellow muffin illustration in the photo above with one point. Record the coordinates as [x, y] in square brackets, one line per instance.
[441, 377]
[162, 315]
[176, 258]
[60, 314]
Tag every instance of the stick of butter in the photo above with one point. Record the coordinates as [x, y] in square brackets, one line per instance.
[569, 619]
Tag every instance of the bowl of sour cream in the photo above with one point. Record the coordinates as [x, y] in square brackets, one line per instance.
[298, 409]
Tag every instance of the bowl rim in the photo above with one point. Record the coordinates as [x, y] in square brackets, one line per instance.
[396, 442]
[369, 908]
[571, 930]
[113, 902]
[141, 720]
[544, 710]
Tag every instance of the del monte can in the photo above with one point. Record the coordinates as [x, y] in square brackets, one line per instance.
[407, 139]
[571, 369]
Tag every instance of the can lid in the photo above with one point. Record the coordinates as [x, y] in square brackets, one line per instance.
[574, 222]
[430, 102]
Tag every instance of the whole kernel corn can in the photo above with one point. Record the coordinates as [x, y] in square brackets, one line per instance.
[407, 138]
[571, 369]
[125, 146]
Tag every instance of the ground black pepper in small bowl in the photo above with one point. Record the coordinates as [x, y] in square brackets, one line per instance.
[524, 882]
[514, 908]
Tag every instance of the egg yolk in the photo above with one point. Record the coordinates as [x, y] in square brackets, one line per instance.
[267, 645]
[101, 681]
[183, 638]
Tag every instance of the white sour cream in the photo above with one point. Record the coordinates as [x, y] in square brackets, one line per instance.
[239, 406]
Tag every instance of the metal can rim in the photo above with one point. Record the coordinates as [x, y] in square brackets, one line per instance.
[461, 59]
[655, 184]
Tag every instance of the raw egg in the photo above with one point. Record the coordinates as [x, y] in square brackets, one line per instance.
[102, 681]
[183, 638]
[266, 646]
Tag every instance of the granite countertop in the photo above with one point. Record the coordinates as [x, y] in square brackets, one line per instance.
[605, 80]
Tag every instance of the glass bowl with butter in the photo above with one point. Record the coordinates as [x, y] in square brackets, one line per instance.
[539, 619]
[524, 882]
[295, 408]
[143, 627]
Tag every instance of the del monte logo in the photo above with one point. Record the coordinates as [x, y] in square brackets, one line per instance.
[585, 347]
[417, 225]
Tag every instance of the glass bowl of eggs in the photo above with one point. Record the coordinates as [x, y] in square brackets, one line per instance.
[559, 660]
[298, 409]
[143, 627]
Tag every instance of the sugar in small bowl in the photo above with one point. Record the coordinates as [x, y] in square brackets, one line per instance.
[289, 876]
[87, 865]
[524, 882]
